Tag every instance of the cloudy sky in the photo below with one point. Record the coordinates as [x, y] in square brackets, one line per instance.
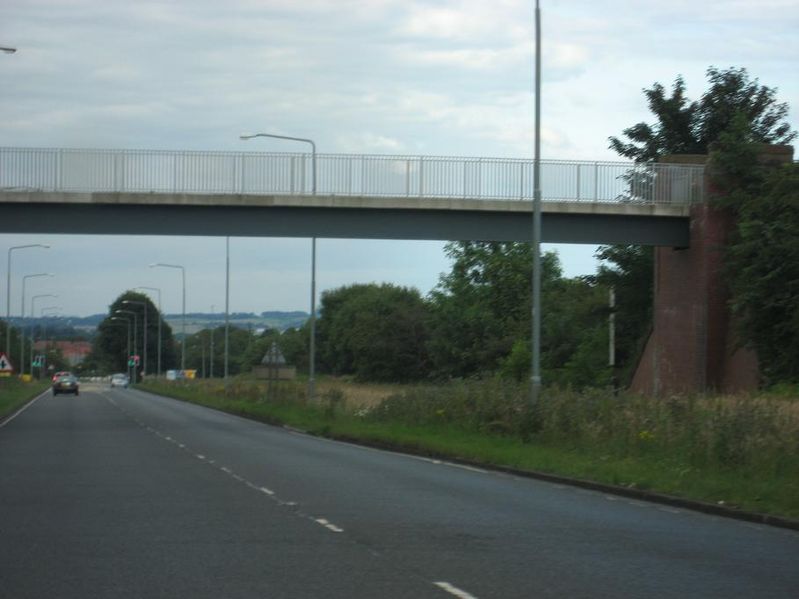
[442, 77]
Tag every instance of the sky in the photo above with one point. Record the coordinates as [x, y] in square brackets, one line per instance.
[430, 77]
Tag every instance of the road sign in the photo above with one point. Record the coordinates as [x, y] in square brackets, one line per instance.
[5, 365]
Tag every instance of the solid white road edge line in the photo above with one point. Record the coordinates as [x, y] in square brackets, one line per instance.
[23, 408]
[453, 590]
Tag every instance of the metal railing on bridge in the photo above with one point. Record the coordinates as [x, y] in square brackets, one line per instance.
[164, 171]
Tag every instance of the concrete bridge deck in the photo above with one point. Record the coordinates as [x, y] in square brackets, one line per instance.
[219, 194]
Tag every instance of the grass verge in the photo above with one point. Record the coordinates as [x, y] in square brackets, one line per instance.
[741, 453]
[14, 394]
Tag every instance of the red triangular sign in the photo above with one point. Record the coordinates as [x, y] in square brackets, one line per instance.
[5, 363]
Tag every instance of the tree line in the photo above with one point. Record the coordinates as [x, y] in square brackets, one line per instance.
[477, 320]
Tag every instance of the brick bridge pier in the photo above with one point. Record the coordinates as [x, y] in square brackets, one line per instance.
[692, 347]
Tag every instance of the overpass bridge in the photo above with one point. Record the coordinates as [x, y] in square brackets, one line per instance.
[256, 194]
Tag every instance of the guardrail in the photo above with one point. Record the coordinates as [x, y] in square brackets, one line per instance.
[164, 171]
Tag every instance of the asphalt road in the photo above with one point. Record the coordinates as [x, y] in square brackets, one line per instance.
[124, 494]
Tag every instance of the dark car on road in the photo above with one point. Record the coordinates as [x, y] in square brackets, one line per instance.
[66, 383]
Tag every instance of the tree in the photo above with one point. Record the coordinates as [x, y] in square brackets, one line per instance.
[376, 332]
[762, 256]
[481, 317]
[109, 351]
[683, 126]
[689, 127]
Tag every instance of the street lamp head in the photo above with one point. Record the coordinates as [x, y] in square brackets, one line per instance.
[8, 50]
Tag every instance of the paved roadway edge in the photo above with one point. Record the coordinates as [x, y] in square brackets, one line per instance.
[651, 496]
[9, 417]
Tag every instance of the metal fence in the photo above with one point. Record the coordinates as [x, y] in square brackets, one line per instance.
[161, 171]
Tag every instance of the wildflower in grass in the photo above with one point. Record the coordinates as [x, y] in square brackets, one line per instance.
[646, 436]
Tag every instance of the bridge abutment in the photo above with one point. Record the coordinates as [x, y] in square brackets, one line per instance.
[692, 347]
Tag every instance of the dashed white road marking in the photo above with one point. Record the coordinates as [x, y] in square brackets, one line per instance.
[453, 590]
[200, 456]
[670, 510]
[328, 525]
[267, 491]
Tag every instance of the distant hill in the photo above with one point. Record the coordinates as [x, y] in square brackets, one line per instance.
[195, 321]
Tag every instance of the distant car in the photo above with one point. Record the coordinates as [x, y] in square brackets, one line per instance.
[120, 380]
[66, 383]
[58, 375]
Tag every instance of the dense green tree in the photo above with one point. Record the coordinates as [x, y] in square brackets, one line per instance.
[762, 257]
[110, 345]
[376, 332]
[628, 270]
[481, 316]
[689, 127]
[683, 126]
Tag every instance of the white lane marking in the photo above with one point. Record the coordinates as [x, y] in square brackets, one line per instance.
[200, 456]
[22, 409]
[267, 491]
[611, 498]
[465, 467]
[670, 510]
[453, 590]
[226, 469]
[328, 525]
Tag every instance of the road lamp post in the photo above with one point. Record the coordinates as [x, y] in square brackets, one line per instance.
[127, 324]
[22, 319]
[535, 367]
[183, 318]
[160, 318]
[44, 330]
[144, 357]
[135, 337]
[8, 291]
[312, 357]
[211, 356]
[33, 314]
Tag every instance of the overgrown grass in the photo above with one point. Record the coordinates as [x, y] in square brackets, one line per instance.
[14, 393]
[742, 450]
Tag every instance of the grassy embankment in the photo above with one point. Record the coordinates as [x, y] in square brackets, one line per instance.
[742, 451]
[14, 393]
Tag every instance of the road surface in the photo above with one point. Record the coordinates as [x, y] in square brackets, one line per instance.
[118, 493]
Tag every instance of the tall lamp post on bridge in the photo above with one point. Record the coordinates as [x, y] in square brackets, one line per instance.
[135, 337]
[160, 318]
[312, 357]
[22, 319]
[183, 318]
[144, 357]
[8, 291]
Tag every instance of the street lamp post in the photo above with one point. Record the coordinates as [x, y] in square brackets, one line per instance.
[33, 314]
[227, 308]
[135, 337]
[127, 324]
[211, 357]
[160, 318]
[535, 377]
[144, 357]
[183, 318]
[22, 319]
[44, 330]
[312, 357]
[8, 291]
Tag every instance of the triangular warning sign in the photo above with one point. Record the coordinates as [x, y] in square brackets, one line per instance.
[5, 363]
